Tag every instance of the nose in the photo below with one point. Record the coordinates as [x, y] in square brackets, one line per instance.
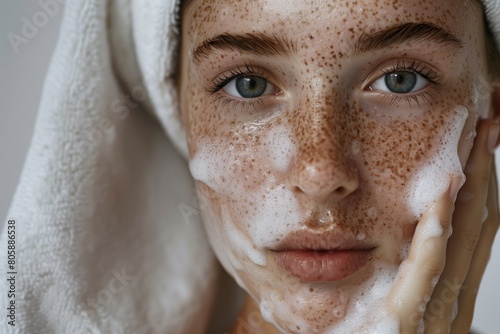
[323, 174]
[324, 168]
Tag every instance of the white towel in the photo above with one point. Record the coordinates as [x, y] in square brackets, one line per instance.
[492, 10]
[108, 236]
[108, 231]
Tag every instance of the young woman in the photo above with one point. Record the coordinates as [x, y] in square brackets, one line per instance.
[327, 141]
[341, 150]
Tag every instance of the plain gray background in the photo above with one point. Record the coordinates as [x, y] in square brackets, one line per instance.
[21, 80]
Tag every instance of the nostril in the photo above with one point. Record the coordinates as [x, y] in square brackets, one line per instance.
[341, 191]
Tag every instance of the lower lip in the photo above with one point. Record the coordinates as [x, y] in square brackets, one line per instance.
[323, 266]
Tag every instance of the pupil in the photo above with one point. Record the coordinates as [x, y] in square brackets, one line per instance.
[401, 82]
[251, 86]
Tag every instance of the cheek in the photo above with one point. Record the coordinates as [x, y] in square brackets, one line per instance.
[410, 164]
[247, 173]
[407, 165]
[434, 177]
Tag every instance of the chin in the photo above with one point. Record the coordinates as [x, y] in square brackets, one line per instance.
[297, 304]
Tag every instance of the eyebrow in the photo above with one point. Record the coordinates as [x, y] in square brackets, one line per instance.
[405, 33]
[257, 43]
[270, 45]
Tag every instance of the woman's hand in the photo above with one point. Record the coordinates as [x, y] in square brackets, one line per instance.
[437, 284]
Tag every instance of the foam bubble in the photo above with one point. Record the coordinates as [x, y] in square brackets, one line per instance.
[356, 147]
[339, 311]
[435, 281]
[471, 135]
[421, 307]
[266, 311]
[361, 236]
[474, 94]
[372, 212]
[454, 311]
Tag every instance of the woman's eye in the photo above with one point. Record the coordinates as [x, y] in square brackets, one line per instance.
[248, 86]
[400, 82]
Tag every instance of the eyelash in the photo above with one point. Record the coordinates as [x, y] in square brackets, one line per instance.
[417, 67]
[222, 80]
[422, 69]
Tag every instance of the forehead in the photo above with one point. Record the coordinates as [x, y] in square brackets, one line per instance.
[325, 19]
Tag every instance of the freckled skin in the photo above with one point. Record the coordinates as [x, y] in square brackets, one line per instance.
[323, 102]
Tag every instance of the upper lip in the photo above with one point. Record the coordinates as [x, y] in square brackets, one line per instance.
[329, 240]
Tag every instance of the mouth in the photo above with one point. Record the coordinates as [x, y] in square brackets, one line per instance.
[323, 257]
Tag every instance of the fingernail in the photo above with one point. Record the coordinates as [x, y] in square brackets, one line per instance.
[454, 188]
[493, 137]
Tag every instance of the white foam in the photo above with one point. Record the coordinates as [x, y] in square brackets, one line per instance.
[280, 147]
[266, 311]
[278, 214]
[372, 212]
[434, 178]
[471, 135]
[421, 327]
[388, 324]
[454, 311]
[367, 313]
[356, 147]
[236, 237]
[361, 236]
[433, 227]
[435, 281]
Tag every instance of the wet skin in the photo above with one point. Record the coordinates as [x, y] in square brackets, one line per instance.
[326, 147]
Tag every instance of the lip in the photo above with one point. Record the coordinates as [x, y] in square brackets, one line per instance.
[324, 256]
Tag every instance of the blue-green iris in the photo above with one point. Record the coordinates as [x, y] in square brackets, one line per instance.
[250, 86]
[401, 82]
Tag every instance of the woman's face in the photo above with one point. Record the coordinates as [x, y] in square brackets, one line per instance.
[319, 132]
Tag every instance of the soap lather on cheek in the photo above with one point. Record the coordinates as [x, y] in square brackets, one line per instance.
[263, 209]
[433, 179]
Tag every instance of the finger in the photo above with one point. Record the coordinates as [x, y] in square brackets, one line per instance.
[468, 294]
[418, 274]
[467, 222]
